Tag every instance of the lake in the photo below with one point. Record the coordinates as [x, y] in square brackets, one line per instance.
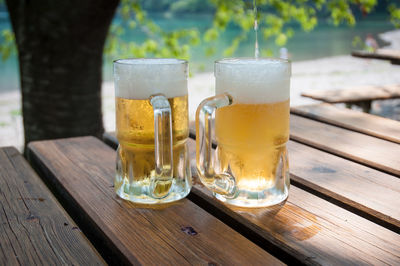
[325, 40]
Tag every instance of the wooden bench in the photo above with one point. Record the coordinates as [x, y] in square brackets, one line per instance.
[384, 54]
[34, 228]
[361, 96]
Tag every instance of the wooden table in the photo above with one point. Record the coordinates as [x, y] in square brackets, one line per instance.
[383, 54]
[361, 96]
[343, 207]
[34, 228]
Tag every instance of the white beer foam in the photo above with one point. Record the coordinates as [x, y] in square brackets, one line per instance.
[141, 78]
[253, 81]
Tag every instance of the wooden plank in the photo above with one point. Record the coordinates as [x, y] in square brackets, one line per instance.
[383, 54]
[356, 94]
[370, 151]
[179, 234]
[372, 125]
[373, 152]
[309, 228]
[370, 193]
[34, 228]
[360, 189]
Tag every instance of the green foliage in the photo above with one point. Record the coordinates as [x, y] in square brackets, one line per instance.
[277, 20]
[235, 43]
[16, 112]
[357, 43]
[158, 43]
[7, 44]
[394, 15]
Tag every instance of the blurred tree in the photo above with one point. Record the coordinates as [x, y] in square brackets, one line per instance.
[60, 45]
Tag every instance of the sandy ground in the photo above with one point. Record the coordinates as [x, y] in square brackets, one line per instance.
[322, 74]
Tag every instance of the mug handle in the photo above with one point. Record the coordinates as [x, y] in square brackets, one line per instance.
[163, 147]
[223, 183]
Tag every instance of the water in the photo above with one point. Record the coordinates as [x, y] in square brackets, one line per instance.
[9, 77]
[325, 40]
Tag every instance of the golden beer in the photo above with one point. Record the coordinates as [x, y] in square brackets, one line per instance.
[152, 157]
[251, 141]
[250, 166]
[135, 132]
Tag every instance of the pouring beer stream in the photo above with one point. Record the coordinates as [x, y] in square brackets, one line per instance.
[256, 50]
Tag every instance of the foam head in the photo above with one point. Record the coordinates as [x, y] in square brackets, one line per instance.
[253, 81]
[141, 78]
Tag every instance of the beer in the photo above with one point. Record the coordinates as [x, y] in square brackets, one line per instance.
[250, 166]
[251, 140]
[135, 131]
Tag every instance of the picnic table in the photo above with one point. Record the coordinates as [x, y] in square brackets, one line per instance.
[343, 206]
[361, 96]
[383, 54]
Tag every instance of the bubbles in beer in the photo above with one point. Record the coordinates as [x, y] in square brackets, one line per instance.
[251, 144]
[136, 160]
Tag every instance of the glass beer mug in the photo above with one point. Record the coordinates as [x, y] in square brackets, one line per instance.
[249, 167]
[151, 100]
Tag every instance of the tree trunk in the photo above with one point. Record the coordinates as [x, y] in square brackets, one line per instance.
[60, 47]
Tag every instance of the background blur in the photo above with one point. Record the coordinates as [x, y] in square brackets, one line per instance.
[324, 41]
[321, 56]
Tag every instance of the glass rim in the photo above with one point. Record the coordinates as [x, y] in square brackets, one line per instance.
[150, 61]
[260, 60]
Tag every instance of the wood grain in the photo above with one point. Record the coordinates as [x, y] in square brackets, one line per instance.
[363, 190]
[372, 125]
[34, 228]
[179, 234]
[370, 151]
[357, 94]
[309, 228]
[373, 152]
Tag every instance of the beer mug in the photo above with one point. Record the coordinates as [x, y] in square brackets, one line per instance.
[151, 100]
[249, 167]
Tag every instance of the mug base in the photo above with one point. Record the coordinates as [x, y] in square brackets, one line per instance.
[247, 201]
[143, 199]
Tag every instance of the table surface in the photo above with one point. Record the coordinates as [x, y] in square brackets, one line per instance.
[34, 228]
[343, 207]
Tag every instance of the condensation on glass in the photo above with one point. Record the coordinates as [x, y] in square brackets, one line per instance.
[248, 120]
[151, 100]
